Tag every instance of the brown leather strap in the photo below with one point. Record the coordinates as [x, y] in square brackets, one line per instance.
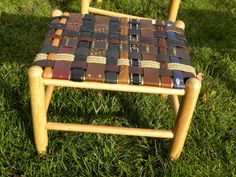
[66, 49]
[149, 56]
[146, 33]
[123, 77]
[164, 73]
[150, 75]
[146, 24]
[75, 19]
[135, 70]
[61, 70]
[97, 52]
[124, 22]
[95, 72]
[102, 45]
[79, 64]
[103, 20]
[75, 27]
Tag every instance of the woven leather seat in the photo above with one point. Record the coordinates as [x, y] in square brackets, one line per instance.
[116, 50]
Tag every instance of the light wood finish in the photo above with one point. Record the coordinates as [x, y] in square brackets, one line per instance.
[173, 10]
[110, 130]
[56, 13]
[85, 6]
[48, 96]
[180, 24]
[37, 92]
[96, 1]
[184, 117]
[113, 14]
[175, 104]
[114, 87]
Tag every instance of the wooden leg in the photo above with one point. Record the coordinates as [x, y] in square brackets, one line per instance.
[37, 93]
[85, 6]
[48, 96]
[96, 0]
[183, 120]
[173, 10]
[175, 104]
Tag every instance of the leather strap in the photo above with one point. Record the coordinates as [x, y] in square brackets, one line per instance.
[61, 70]
[57, 26]
[75, 18]
[146, 24]
[123, 77]
[66, 49]
[174, 29]
[45, 63]
[111, 71]
[69, 42]
[150, 75]
[135, 75]
[164, 73]
[116, 50]
[48, 48]
[95, 72]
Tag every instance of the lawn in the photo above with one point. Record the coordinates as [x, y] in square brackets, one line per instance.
[211, 142]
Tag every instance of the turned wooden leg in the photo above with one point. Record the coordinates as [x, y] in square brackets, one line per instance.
[183, 120]
[175, 104]
[85, 6]
[48, 96]
[173, 10]
[96, 0]
[37, 94]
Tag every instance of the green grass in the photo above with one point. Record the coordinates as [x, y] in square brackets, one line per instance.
[211, 142]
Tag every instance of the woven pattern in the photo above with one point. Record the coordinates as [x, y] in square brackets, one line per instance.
[115, 50]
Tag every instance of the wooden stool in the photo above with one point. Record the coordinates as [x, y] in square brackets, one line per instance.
[118, 53]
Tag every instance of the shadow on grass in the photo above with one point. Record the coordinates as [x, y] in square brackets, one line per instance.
[22, 36]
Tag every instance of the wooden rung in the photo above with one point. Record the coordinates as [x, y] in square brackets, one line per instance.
[113, 14]
[110, 130]
[114, 87]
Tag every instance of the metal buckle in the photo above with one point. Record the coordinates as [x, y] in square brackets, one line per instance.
[133, 48]
[132, 61]
[140, 79]
[134, 38]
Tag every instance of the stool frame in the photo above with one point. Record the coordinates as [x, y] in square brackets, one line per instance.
[41, 91]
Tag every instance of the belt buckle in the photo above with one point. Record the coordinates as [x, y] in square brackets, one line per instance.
[132, 62]
[133, 38]
[140, 79]
[133, 48]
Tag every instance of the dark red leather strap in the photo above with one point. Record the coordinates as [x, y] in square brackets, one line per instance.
[61, 70]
